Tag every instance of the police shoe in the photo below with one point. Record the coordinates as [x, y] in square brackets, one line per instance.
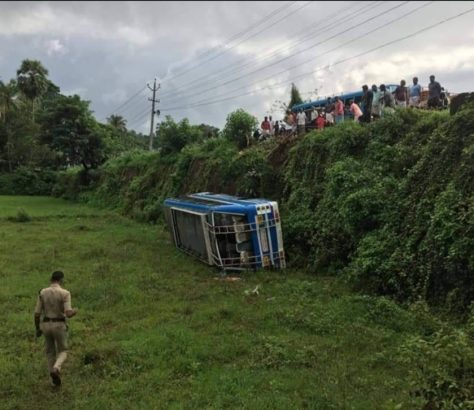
[56, 379]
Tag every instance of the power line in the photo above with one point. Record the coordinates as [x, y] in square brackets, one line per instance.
[319, 29]
[242, 32]
[296, 53]
[384, 25]
[335, 63]
[276, 51]
[344, 44]
[138, 119]
[274, 12]
[141, 104]
[126, 102]
[327, 52]
[235, 45]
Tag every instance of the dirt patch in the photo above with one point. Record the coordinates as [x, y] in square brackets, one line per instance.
[279, 155]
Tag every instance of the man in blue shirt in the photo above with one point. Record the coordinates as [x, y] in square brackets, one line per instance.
[415, 93]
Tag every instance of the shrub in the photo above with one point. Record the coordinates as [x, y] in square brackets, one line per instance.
[21, 216]
[239, 128]
[27, 181]
[442, 368]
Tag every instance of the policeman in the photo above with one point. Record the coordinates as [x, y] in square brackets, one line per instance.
[55, 305]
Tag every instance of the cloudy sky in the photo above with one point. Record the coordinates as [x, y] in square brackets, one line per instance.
[211, 58]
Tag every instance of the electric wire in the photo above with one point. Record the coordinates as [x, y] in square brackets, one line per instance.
[296, 53]
[235, 45]
[386, 11]
[384, 45]
[278, 50]
[248, 29]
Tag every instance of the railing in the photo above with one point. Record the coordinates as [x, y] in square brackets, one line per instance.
[242, 227]
[248, 261]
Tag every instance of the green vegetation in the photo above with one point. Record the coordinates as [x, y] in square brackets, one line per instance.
[385, 210]
[389, 207]
[239, 128]
[156, 329]
[173, 137]
[41, 129]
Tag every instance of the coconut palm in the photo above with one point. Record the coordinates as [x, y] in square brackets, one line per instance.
[32, 80]
[118, 122]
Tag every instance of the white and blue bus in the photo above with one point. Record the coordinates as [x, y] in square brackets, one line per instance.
[225, 231]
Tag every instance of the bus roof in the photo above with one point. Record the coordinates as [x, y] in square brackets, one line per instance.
[323, 101]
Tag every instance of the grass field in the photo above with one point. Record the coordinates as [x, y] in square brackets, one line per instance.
[156, 329]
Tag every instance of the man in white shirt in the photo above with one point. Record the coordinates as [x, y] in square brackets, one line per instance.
[272, 126]
[301, 120]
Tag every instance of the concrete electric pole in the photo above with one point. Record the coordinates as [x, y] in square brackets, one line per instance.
[153, 112]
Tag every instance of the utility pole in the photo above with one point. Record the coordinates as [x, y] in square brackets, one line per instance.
[153, 112]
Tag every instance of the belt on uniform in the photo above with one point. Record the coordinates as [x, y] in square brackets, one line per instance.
[54, 319]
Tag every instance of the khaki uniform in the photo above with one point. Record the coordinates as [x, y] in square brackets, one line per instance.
[52, 303]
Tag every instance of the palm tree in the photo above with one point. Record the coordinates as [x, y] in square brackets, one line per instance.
[118, 122]
[9, 102]
[32, 80]
[8, 98]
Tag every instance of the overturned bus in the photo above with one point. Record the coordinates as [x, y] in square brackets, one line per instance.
[227, 231]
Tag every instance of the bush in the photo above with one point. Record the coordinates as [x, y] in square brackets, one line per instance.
[26, 181]
[21, 216]
[239, 128]
[389, 205]
[442, 368]
[71, 184]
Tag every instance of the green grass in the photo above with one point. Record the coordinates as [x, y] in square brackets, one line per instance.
[156, 329]
[43, 207]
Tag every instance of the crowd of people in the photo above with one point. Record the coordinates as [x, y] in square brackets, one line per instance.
[376, 102]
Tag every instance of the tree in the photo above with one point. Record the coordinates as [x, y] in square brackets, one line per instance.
[239, 127]
[116, 142]
[32, 80]
[117, 122]
[173, 137]
[295, 96]
[13, 125]
[68, 127]
[209, 131]
[8, 99]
